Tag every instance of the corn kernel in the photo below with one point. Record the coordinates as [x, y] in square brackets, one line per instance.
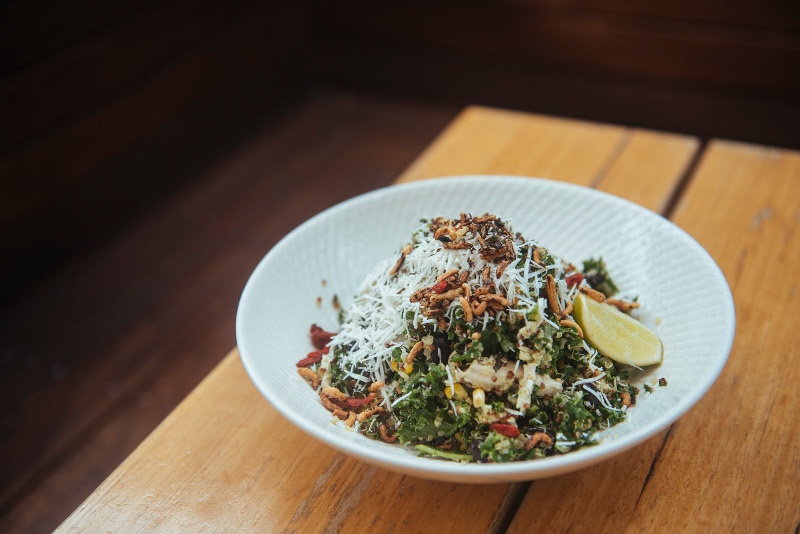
[393, 365]
[478, 397]
[408, 368]
[460, 392]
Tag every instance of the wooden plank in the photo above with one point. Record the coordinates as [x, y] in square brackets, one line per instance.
[107, 62]
[728, 57]
[489, 141]
[705, 69]
[97, 65]
[68, 154]
[730, 464]
[641, 165]
[175, 276]
[34, 29]
[69, 187]
[237, 487]
[237, 476]
[647, 170]
[401, 69]
[776, 14]
[735, 457]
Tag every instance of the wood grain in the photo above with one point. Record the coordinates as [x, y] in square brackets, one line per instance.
[135, 326]
[735, 457]
[668, 49]
[730, 464]
[710, 69]
[256, 472]
[105, 107]
[647, 169]
[25, 39]
[485, 140]
[111, 125]
[643, 166]
[239, 475]
[109, 61]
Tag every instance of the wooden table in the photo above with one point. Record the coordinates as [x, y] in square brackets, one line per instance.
[226, 460]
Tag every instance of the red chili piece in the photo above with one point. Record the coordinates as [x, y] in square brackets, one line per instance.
[440, 287]
[313, 357]
[507, 430]
[574, 279]
[320, 337]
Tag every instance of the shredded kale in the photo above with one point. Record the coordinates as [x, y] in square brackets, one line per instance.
[425, 450]
[576, 391]
[499, 448]
[597, 276]
[425, 414]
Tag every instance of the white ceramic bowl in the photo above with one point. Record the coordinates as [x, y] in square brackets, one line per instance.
[685, 300]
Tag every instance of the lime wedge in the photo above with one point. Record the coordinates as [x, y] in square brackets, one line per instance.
[615, 334]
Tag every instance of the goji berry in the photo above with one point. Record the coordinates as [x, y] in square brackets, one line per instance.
[320, 337]
[505, 429]
[574, 279]
[357, 404]
[440, 287]
[313, 357]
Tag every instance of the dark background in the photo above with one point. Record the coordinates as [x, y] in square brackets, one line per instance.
[152, 152]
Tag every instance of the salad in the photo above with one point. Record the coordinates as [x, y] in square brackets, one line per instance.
[465, 345]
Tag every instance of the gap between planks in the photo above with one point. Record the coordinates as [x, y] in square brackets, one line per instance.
[683, 180]
[509, 507]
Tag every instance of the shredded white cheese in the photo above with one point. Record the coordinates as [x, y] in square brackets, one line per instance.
[399, 308]
[376, 321]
